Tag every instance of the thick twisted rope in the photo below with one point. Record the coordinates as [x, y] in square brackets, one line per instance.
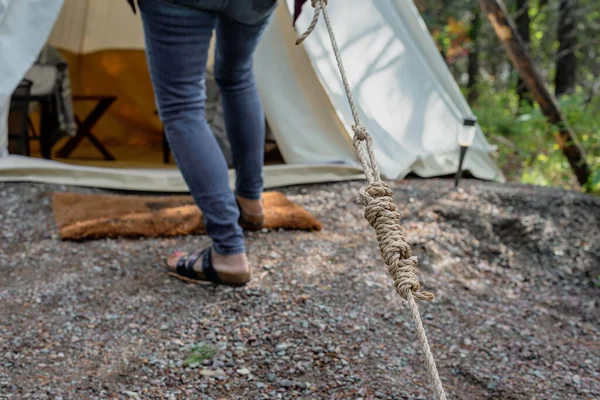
[381, 213]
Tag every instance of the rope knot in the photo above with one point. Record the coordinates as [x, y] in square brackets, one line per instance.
[380, 189]
[381, 213]
[360, 132]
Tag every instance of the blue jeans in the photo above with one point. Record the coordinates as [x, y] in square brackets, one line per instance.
[177, 34]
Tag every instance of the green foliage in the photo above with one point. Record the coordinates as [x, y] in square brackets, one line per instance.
[198, 353]
[595, 182]
[585, 120]
[527, 151]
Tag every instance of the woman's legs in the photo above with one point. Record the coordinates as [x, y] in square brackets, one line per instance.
[243, 111]
[177, 42]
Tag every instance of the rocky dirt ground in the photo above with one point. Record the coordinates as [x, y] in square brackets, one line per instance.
[514, 269]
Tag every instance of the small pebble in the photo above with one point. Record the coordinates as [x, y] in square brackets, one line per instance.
[285, 383]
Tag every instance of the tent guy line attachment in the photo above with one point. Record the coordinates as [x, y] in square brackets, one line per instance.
[380, 211]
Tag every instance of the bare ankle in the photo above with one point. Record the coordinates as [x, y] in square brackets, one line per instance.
[233, 263]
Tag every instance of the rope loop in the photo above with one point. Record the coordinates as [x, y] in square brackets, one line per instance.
[318, 5]
[367, 158]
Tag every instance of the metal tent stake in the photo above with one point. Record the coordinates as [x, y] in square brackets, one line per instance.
[465, 139]
[463, 151]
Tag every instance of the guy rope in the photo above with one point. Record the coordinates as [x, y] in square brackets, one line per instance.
[381, 213]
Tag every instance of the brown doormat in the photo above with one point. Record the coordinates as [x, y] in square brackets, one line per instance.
[85, 216]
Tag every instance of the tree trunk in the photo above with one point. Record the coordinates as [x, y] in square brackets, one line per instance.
[473, 68]
[523, 23]
[567, 38]
[518, 54]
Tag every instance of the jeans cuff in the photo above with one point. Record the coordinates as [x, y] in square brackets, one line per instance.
[248, 195]
[229, 251]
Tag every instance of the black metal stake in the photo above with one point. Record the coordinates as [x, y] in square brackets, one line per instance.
[463, 152]
[467, 122]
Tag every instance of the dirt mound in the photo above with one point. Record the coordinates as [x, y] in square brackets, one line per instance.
[544, 235]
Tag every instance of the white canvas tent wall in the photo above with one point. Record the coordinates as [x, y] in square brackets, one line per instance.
[23, 31]
[407, 98]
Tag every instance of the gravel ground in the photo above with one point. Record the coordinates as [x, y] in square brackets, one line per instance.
[514, 269]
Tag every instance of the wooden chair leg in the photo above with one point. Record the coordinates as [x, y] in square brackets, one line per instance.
[26, 139]
[31, 128]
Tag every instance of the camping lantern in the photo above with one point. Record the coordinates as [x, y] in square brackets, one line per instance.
[465, 140]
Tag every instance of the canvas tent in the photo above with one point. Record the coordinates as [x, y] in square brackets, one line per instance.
[16, 54]
[407, 98]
